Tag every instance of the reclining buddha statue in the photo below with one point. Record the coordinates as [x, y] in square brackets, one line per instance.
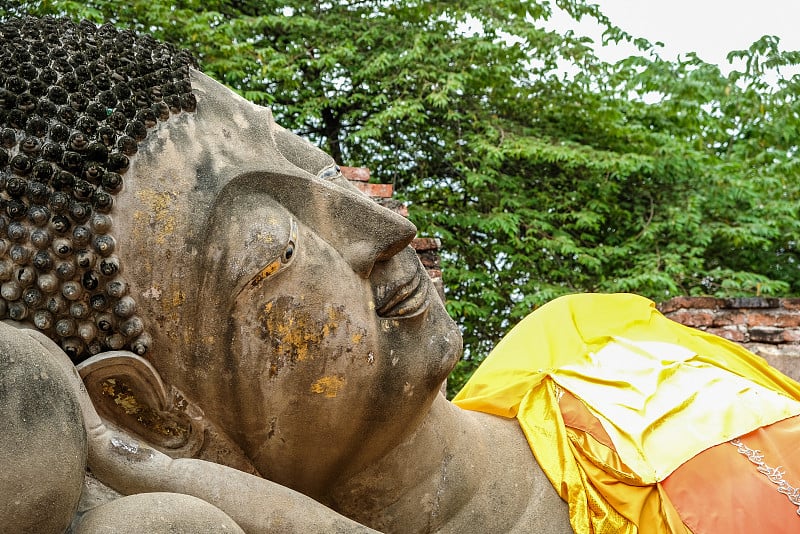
[206, 328]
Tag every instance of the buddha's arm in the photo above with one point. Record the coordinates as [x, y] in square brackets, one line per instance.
[254, 503]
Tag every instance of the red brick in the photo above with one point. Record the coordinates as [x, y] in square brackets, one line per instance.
[355, 174]
[791, 304]
[773, 319]
[678, 303]
[731, 333]
[435, 273]
[375, 190]
[401, 210]
[430, 259]
[729, 317]
[755, 318]
[787, 320]
[791, 335]
[426, 243]
[693, 317]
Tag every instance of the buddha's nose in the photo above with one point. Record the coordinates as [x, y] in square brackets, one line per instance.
[371, 233]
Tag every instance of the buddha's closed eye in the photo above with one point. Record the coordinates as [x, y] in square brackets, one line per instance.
[329, 173]
[276, 264]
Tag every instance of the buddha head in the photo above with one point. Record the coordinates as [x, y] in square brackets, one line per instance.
[224, 291]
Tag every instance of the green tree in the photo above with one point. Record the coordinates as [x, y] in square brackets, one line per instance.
[651, 176]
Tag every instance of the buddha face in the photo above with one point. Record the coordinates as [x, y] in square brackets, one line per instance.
[287, 305]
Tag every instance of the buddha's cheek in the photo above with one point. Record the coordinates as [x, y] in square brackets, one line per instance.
[311, 346]
[304, 394]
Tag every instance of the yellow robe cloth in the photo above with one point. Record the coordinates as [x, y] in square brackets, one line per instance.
[662, 391]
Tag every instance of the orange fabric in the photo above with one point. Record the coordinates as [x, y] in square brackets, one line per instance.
[736, 498]
[717, 491]
[577, 415]
[642, 504]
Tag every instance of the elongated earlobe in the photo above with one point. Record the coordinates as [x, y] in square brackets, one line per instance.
[128, 393]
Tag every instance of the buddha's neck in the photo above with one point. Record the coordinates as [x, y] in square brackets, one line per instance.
[445, 476]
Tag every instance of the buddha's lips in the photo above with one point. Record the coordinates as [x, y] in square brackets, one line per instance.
[408, 299]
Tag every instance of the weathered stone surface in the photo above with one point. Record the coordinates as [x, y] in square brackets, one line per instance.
[156, 513]
[42, 440]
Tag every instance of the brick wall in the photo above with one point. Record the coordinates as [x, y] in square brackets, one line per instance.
[769, 327]
[427, 247]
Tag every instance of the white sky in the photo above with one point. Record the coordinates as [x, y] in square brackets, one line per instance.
[712, 28]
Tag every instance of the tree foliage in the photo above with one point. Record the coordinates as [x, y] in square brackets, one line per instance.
[657, 177]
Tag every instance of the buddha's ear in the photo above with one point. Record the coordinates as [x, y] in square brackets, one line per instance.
[128, 393]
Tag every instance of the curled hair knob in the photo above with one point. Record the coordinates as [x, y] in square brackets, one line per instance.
[42, 261]
[115, 341]
[97, 152]
[60, 224]
[89, 281]
[87, 331]
[37, 191]
[62, 247]
[32, 297]
[104, 245]
[43, 319]
[21, 165]
[99, 302]
[47, 282]
[107, 135]
[26, 276]
[11, 290]
[85, 258]
[80, 211]
[79, 309]
[65, 270]
[81, 235]
[19, 254]
[38, 215]
[78, 142]
[111, 181]
[109, 266]
[56, 305]
[31, 146]
[132, 327]
[52, 152]
[73, 346]
[17, 232]
[142, 344]
[60, 200]
[101, 223]
[125, 307]
[72, 161]
[15, 209]
[128, 145]
[105, 322]
[16, 186]
[17, 311]
[71, 290]
[8, 137]
[40, 238]
[7, 269]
